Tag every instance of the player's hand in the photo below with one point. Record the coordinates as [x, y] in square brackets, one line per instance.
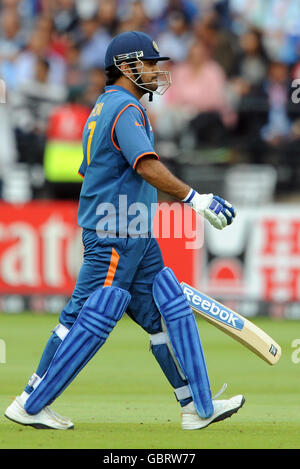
[216, 210]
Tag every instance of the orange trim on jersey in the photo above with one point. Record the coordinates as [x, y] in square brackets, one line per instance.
[80, 174]
[114, 260]
[143, 154]
[116, 120]
[109, 91]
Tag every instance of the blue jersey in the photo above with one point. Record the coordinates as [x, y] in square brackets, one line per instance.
[114, 199]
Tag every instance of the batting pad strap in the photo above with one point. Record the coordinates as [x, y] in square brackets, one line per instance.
[182, 393]
[61, 331]
[34, 381]
[159, 338]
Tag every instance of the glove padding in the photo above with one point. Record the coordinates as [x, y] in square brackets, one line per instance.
[216, 210]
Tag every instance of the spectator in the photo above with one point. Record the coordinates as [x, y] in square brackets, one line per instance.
[32, 102]
[136, 18]
[39, 47]
[107, 14]
[11, 38]
[268, 123]
[11, 42]
[250, 67]
[188, 7]
[95, 86]
[221, 42]
[278, 127]
[65, 16]
[199, 85]
[197, 98]
[46, 7]
[155, 11]
[63, 149]
[76, 76]
[57, 42]
[252, 60]
[155, 8]
[10, 4]
[176, 40]
[86, 9]
[93, 41]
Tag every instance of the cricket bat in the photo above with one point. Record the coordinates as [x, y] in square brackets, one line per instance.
[233, 324]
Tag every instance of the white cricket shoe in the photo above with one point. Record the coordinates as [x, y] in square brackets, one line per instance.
[45, 419]
[222, 410]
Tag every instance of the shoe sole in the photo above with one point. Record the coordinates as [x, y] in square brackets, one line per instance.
[219, 418]
[227, 414]
[38, 426]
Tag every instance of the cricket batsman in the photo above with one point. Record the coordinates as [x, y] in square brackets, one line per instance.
[123, 269]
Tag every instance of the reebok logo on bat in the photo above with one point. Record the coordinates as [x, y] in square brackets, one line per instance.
[138, 125]
[212, 308]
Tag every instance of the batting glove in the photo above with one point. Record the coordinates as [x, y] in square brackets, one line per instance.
[216, 210]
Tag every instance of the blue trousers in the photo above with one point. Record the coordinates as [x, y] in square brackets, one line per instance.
[128, 263]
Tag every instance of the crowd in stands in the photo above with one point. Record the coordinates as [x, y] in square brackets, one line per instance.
[235, 67]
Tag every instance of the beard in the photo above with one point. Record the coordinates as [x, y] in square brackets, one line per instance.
[151, 86]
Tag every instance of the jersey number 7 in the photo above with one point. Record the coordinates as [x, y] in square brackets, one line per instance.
[91, 127]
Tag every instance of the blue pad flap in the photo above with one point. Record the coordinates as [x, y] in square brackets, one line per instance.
[96, 320]
[184, 336]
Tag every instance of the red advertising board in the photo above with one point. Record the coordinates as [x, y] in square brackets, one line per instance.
[41, 249]
[37, 247]
[253, 265]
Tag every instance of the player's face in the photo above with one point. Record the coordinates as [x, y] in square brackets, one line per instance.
[150, 74]
[147, 75]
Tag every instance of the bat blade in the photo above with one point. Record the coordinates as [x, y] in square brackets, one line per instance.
[233, 324]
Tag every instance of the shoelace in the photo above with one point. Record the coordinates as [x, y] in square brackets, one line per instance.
[223, 388]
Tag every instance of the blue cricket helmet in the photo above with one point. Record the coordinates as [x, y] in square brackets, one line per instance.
[130, 45]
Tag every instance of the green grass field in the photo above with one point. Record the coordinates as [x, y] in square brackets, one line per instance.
[122, 400]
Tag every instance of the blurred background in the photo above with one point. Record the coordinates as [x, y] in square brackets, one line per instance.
[229, 124]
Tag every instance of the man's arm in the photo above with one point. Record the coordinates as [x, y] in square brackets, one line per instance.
[158, 175]
[138, 151]
[216, 210]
